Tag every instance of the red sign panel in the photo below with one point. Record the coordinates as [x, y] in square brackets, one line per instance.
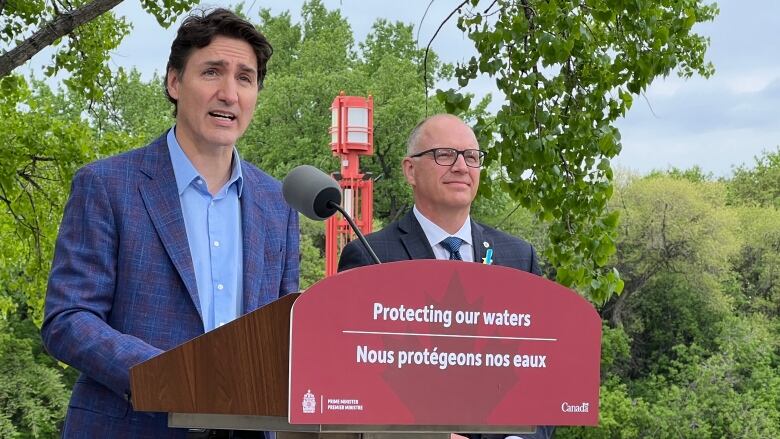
[443, 343]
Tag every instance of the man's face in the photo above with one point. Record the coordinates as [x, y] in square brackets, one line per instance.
[216, 94]
[437, 188]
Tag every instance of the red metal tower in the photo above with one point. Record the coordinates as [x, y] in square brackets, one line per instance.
[352, 135]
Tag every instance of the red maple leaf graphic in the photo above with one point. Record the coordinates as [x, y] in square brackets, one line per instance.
[479, 388]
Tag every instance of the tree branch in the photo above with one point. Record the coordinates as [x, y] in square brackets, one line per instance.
[60, 26]
[428, 47]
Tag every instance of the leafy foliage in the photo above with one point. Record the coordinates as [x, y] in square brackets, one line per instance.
[33, 399]
[81, 44]
[135, 107]
[568, 70]
[670, 226]
[694, 339]
[312, 255]
[757, 265]
[759, 185]
[45, 149]
[672, 311]
[694, 174]
[313, 62]
[695, 353]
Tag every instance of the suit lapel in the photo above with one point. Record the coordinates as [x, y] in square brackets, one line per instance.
[413, 238]
[478, 240]
[253, 231]
[161, 199]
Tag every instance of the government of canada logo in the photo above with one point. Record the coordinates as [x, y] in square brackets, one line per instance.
[309, 403]
[569, 408]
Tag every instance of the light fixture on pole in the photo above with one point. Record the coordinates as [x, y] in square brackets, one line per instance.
[351, 135]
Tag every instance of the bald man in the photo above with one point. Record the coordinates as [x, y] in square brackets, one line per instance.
[442, 166]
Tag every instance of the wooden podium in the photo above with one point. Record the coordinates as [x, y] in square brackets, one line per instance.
[238, 376]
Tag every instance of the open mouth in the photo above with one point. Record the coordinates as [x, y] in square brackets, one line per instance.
[222, 116]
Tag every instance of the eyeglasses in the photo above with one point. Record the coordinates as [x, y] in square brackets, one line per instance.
[448, 156]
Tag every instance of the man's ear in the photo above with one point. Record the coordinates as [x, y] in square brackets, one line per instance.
[408, 166]
[173, 84]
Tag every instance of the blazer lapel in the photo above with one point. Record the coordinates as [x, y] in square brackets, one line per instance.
[477, 238]
[161, 199]
[253, 231]
[413, 238]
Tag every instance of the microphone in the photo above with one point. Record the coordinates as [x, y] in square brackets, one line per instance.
[317, 196]
[309, 191]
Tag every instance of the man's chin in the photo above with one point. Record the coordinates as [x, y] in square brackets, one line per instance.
[223, 140]
[458, 203]
[461, 195]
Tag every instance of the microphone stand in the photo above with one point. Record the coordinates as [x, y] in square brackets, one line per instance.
[355, 228]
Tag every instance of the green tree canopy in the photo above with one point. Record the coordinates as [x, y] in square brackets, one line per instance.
[757, 265]
[318, 60]
[759, 185]
[671, 226]
[568, 69]
[82, 32]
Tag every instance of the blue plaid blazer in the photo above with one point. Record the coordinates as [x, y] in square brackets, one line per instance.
[122, 286]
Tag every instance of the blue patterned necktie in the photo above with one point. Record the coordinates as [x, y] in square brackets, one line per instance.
[452, 244]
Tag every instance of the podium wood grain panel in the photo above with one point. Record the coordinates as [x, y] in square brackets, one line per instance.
[239, 368]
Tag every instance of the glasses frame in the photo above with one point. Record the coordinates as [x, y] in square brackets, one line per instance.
[436, 157]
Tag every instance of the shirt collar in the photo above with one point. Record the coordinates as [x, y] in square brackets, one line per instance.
[436, 234]
[186, 173]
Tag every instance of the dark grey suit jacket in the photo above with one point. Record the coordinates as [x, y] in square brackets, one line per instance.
[405, 239]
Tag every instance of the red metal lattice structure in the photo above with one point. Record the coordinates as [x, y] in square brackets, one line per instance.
[352, 135]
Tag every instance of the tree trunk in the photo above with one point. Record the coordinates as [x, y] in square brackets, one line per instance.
[60, 26]
[616, 319]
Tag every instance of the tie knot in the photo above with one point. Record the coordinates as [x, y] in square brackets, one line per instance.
[452, 244]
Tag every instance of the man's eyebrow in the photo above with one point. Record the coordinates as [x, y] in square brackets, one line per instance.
[222, 63]
[216, 63]
[248, 69]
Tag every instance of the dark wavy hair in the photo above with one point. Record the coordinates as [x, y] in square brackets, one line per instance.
[197, 32]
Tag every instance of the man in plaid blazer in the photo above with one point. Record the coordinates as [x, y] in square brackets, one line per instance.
[442, 165]
[160, 244]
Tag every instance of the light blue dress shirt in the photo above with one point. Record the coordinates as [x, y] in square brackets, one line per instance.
[436, 234]
[214, 234]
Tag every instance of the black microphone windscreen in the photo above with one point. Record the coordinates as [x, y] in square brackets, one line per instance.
[309, 191]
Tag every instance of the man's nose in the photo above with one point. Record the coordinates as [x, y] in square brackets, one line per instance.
[228, 91]
[460, 164]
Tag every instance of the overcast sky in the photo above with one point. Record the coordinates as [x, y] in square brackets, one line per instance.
[716, 123]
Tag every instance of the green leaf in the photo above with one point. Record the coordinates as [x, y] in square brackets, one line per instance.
[611, 220]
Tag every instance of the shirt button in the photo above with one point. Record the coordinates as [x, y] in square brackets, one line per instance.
[220, 287]
[216, 243]
[200, 181]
